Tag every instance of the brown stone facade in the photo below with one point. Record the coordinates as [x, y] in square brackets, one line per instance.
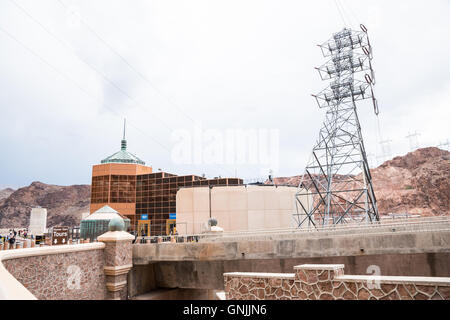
[63, 276]
[328, 282]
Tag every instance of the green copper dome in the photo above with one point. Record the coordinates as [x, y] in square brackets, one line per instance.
[123, 156]
[116, 224]
[101, 221]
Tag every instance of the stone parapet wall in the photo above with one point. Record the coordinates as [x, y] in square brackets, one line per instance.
[74, 272]
[328, 282]
[91, 271]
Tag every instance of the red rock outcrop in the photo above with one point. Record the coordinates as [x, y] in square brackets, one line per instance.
[5, 193]
[417, 183]
[64, 204]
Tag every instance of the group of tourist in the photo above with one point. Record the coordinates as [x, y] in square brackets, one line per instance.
[12, 236]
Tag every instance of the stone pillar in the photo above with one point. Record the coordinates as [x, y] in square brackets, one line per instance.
[317, 281]
[118, 261]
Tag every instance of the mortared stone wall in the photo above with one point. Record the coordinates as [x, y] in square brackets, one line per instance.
[63, 276]
[328, 282]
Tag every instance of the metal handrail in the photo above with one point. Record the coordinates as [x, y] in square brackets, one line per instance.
[337, 229]
[405, 225]
[341, 227]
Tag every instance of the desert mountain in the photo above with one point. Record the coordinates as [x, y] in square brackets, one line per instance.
[64, 204]
[5, 193]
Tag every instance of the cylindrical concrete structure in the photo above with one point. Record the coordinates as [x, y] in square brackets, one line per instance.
[236, 208]
[38, 221]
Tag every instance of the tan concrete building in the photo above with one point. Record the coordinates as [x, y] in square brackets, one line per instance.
[237, 208]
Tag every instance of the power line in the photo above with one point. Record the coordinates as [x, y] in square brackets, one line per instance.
[358, 21]
[90, 29]
[347, 16]
[70, 79]
[345, 13]
[129, 65]
[413, 140]
[84, 61]
[385, 149]
[44, 61]
[340, 13]
[90, 66]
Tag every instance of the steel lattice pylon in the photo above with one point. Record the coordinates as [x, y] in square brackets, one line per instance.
[336, 187]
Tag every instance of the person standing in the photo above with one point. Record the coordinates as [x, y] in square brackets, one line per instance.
[11, 242]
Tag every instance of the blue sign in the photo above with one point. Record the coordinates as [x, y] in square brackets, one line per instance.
[172, 216]
[144, 216]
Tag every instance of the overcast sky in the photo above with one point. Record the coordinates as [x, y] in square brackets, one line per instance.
[70, 71]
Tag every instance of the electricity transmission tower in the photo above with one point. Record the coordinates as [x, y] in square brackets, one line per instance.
[336, 187]
[413, 140]
[445, 145]
[386, 153]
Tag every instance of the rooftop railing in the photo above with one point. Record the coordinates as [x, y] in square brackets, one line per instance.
[383, 227]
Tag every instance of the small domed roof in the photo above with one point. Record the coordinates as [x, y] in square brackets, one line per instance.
[105, 213]
[123, 156]
[98, 222]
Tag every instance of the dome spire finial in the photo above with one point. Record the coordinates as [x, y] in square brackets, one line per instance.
[123, 156]
[124, 142]
[124, 127]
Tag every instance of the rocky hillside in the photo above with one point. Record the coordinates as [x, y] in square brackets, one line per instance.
[5, 193]
[418, 183]
[64, 204]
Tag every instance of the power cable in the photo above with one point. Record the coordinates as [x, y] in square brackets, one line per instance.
[345, 14]
[84, 61]
[352, 12]
[140, 74]
[340, 13]
[90, 66]
[30, 50]
[88, 27]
